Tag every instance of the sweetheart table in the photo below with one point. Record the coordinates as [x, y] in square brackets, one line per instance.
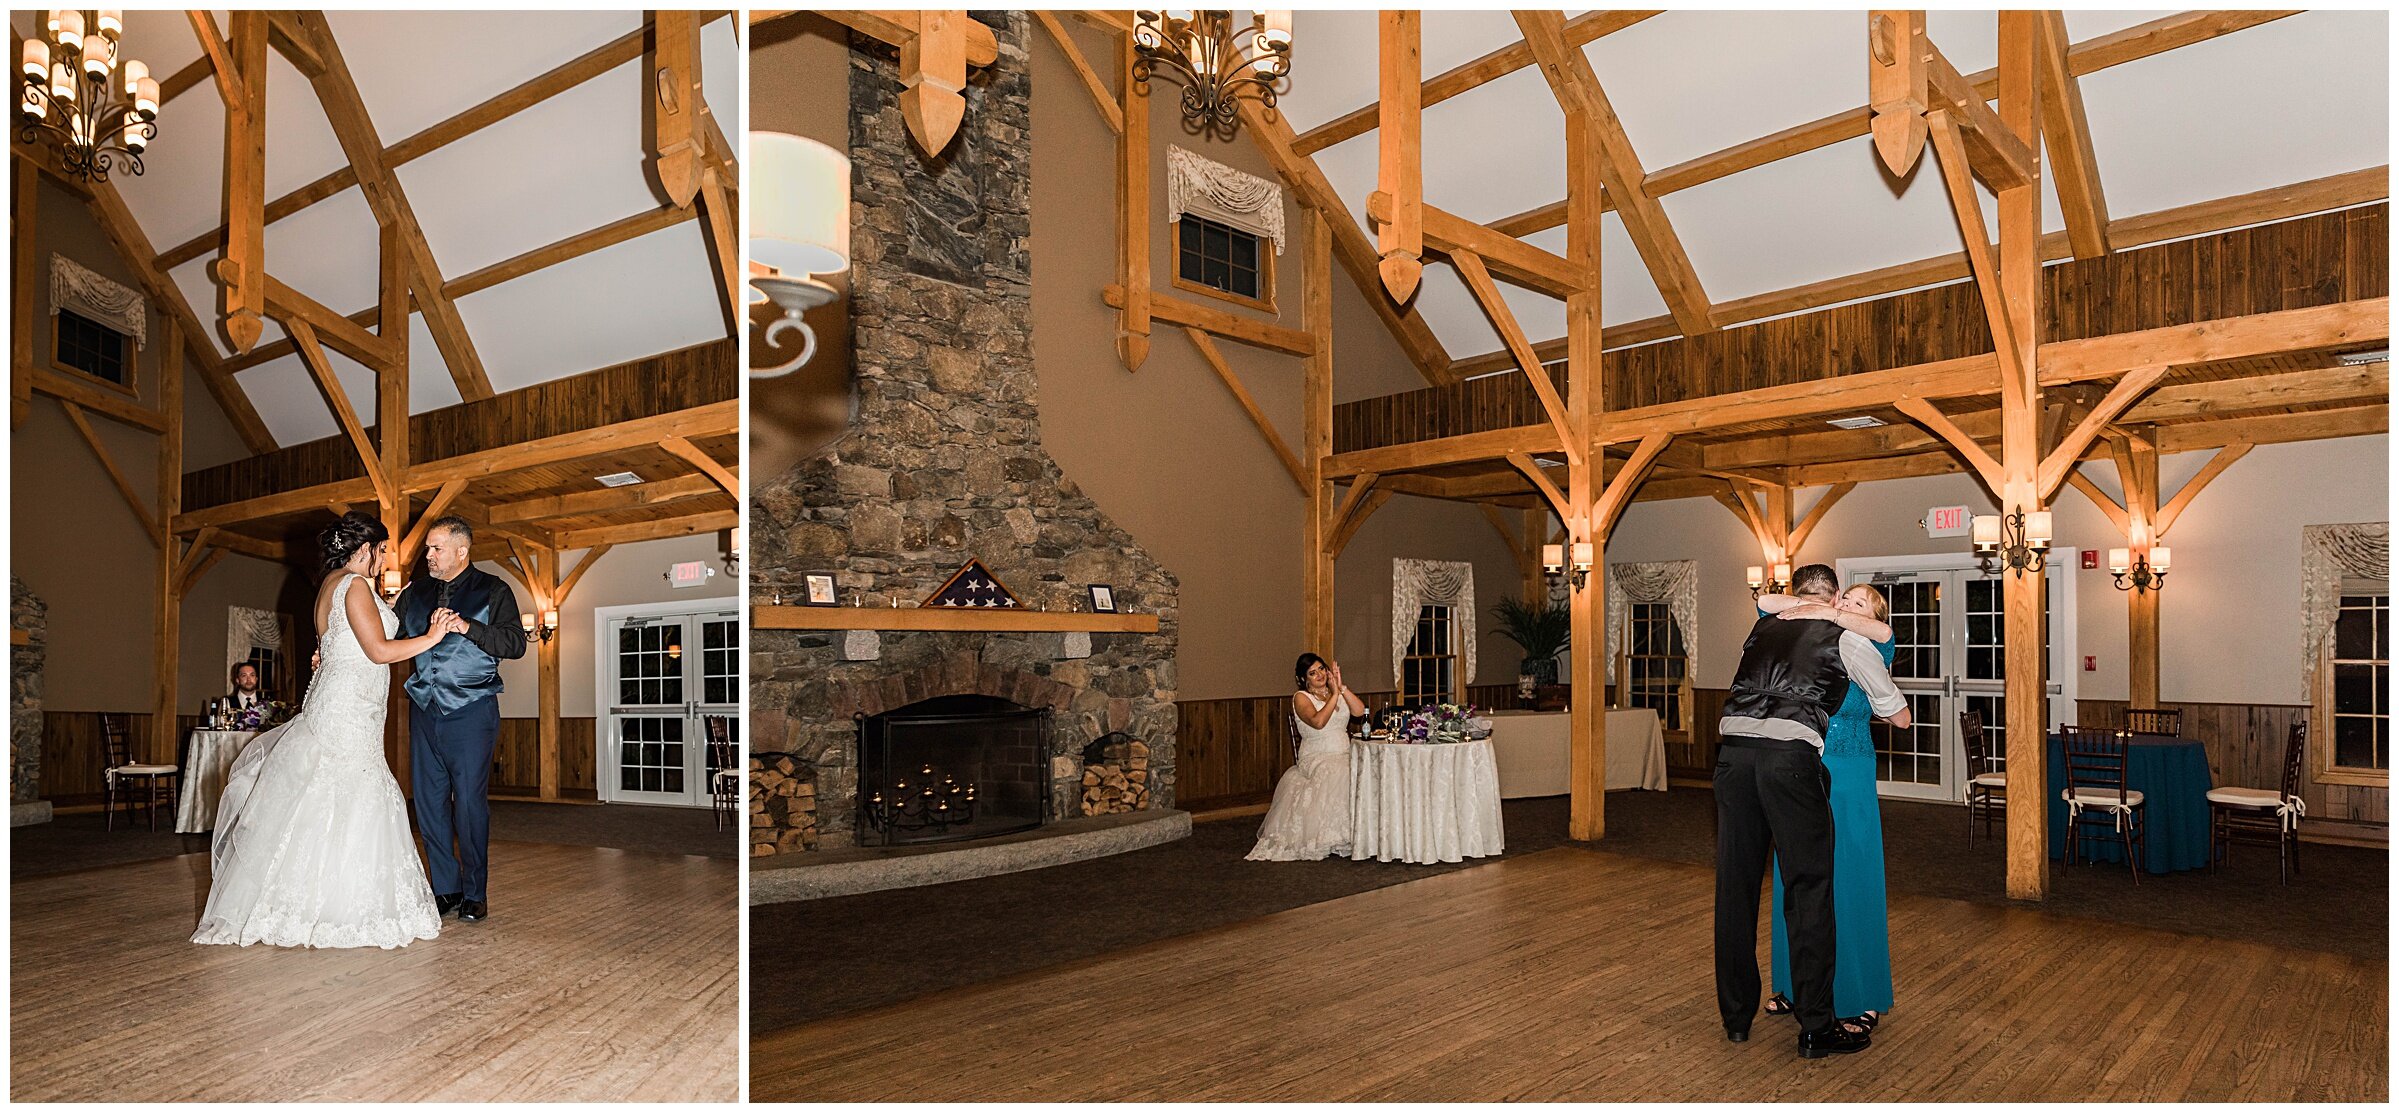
[1424, 803]
[206, 763]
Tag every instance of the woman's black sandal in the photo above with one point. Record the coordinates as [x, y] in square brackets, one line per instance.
[1863, 1023]
[1778, 1005]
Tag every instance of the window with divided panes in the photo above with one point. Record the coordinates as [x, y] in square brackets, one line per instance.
[86, 345]
[1222, 259]
[1429, 672]
[2361, 674]
[1655, 662]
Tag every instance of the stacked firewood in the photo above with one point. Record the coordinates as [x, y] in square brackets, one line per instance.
[782, 805]
[1121, 784]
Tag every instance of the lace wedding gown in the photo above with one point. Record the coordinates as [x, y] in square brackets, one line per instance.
[1311, 816]
[312, 844]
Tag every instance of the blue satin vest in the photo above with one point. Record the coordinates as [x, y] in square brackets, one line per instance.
[455, 672]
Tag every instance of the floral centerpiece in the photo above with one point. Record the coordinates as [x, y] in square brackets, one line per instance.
[1444, 722]
[261, 715]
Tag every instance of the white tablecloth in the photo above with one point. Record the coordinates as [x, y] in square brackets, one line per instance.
[210, 758]
[1424, 804]
[1535, 754]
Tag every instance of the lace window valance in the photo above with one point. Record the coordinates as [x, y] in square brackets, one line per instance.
[90, 294]
[1672, 582]
[1220, 193]
[2327, 555]
[1416, 584]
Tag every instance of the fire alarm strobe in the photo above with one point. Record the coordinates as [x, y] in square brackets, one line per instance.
[690, 573]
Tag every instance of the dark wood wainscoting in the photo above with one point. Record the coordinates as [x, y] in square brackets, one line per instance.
[2244, 747]
[1229, 751]
[72, 751]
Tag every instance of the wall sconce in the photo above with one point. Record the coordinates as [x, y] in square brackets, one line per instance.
[799, 199]
[391, 583]
[2148, 573]
[2018, 542]
[546, 629]
[1761, 584]
[1553, 561]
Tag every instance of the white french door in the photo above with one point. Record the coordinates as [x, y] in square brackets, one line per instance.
[1949, 640]
[664, 671]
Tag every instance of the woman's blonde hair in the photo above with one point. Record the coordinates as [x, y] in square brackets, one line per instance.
[1882, 606]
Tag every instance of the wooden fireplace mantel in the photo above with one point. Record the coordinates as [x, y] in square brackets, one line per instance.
[991, 620]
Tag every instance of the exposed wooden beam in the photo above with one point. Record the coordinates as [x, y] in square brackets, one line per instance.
[713, 419]
[723, 210]
[352, 124]
[1815, 517]
[110, 405]
[2067, 130]
[572, 247]
[714, 521]
[1133, 214]
[192, 554]
[1494, 444]
[344, 414]
[1486, 294]
[1400, 152]
[108, 463]
[434, 509]
[241, 270]
[653, 493]
[1350, 525]
[2276, 428]
[1580, 95]
[288, 39]
[1580, 30]
[1977, 458]
[340, 333]
[1998, 156]
[186, 79]
[1531, 470]
[2224, 458]
[1357, 254]
[672, 89]
[1317, 563]
[220, 58]
[24, 271]
[566, 586]
[1231, 326]
[901, 27]
[1111, 113]
[1350, 501]
[2337, 191]
[1519, 262]
[691, 454]
[2106, 504]
[1274, 440]
[1965, 207]
[1628, 478]
[2070, 448]
[2288, 331]
[275, 505]
[1898, 86]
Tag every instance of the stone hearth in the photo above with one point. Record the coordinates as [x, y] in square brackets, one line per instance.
[943, 463]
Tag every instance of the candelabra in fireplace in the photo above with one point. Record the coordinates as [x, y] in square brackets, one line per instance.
[923, 804]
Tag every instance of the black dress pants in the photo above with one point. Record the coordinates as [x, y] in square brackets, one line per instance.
[1773, 798]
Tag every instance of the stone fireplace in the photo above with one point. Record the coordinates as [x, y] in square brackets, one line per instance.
[29, 624]
[943, 463]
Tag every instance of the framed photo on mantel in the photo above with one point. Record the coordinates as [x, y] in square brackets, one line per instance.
[1103, 599]
[817, 589]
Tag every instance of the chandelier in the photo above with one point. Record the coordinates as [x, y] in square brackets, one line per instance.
[73, 88]
[1214, 62]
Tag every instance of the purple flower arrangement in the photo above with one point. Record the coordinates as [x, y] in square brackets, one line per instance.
[1442, 723]
[262, 715]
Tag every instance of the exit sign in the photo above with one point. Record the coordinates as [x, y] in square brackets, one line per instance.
[1947, 521]
[690, 573]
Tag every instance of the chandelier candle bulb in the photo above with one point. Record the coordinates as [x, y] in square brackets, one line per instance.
[111, 24]
[37, 59]
[97, 58]
[135, 71]
[68, 23]
[62, 83]
[31, 106]
[145, 100]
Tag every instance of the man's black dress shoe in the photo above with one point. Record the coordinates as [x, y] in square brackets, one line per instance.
[445, 903]
[473, 911]
[1835, 1040]
[1737, 1035]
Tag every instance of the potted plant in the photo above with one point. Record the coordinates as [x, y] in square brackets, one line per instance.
[1541, 631]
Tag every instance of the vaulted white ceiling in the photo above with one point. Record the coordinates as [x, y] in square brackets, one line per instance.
[565, 166]
[2291, 100]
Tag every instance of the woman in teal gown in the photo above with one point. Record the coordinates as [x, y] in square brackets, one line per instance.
[1861, 917]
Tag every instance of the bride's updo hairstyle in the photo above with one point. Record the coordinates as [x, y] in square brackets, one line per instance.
[338, 542]
[1299, 672]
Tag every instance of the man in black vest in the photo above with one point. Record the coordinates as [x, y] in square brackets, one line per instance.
[1773, 797]
[455, 688]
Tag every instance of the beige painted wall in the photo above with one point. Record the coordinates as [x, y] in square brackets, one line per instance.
[800, 84]
[626, 574]
[77, 544]
[1166, 451]
[2229, 616]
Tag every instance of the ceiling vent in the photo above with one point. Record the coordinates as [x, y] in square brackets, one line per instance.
[1862, 421]
[2360, 359]
[619, 479]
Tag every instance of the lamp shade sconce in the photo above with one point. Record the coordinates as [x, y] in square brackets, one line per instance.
[545, 629]
[1553, 561]
[2142, 572]
[391, 583]
[2017, 542]
[799, 200]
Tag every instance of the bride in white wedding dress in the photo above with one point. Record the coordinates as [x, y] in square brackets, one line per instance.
[312, 842]
[1311, 816]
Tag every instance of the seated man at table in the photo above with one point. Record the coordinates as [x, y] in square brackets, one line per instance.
[1773, 798]
[246, 691]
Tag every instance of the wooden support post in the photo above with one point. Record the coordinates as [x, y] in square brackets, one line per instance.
[933, 67]
[241, 272]
[1586, 405]
[2136, 465]
[165, 658]
[2024, 596]
[1401, 153]
[674, 104]
[1896, 80]
[1133, 214]
[25, 270]
[1274, 440]
[1316, 438]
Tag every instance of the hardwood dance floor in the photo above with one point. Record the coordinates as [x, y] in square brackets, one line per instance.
[602, 975]
[1579, 974]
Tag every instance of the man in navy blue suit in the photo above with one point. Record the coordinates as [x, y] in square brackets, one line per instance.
[456, 720]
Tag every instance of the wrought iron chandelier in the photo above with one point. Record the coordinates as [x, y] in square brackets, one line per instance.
[73, 87]
[1215, 61]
